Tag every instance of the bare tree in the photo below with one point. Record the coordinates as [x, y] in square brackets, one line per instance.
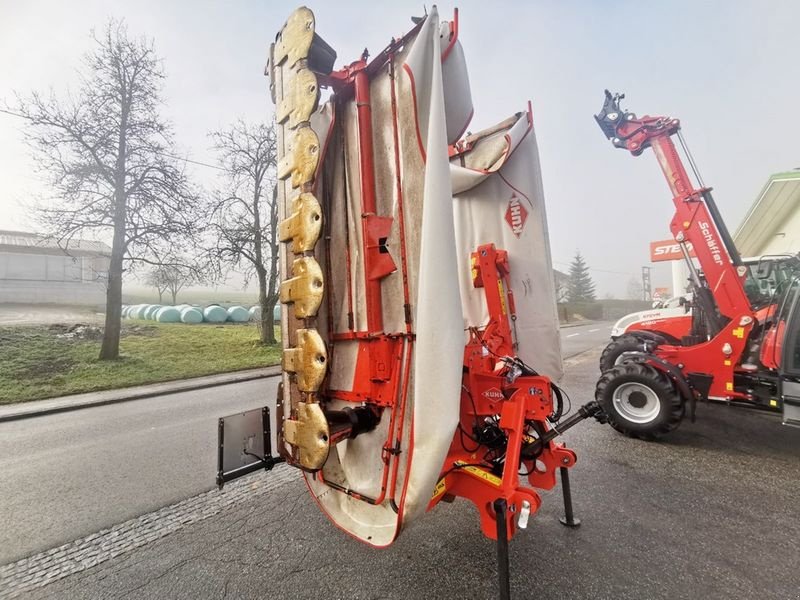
[173, 277]
[634, 289]
[177, 277]
[244, 221]
[157, 278]
[109, 157]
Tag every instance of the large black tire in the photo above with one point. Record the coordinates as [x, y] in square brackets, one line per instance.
[612, 352]
[639, 400]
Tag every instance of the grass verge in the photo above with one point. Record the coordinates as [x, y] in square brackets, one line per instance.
[42, 362]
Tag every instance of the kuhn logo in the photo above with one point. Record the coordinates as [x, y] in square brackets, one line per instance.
[493, 394]
[516, 215]
[711, 242]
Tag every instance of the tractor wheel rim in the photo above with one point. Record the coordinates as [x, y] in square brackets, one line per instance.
[636, 402]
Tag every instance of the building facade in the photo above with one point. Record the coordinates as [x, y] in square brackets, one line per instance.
[772, 225]
[35, 269]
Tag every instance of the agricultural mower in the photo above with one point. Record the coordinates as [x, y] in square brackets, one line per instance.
[737, 347]
[419, 325]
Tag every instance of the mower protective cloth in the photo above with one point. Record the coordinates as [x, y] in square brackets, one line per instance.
[498, 198]
[435, 359]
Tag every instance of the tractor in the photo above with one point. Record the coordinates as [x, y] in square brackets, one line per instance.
[672, 319]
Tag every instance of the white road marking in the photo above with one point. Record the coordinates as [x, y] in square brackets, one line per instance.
[573, 335]
[593, 330]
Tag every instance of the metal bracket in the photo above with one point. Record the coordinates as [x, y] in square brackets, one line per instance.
[295, 38]
[301, 100]
[300, 162]
[309, 434]
[303, 227]
[308, 360]
[305, 288]
[241, 426]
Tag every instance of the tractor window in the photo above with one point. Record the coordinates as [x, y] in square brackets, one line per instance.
[758, 290]
[791, 341]
[762, 291]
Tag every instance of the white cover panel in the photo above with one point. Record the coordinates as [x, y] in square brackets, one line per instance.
[497, 179]
[439, 347]
[457, 93]
[434, 392]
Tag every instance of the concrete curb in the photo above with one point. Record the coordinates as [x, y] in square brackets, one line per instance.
[38, 408]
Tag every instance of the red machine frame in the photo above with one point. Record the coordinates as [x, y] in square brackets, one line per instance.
[491, 388]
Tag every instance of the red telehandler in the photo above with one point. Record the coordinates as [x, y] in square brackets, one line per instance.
[735, 351]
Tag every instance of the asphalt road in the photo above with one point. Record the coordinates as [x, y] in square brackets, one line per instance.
[65, 475]
[710, 513]
[579, 338]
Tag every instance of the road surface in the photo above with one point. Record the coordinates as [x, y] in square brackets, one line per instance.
[579, 338]
[65, 475]
[710, 513]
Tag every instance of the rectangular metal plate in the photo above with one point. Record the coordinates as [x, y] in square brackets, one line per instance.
[242, 439]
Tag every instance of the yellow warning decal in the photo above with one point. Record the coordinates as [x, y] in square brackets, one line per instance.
[727, 363]
[773, 403]
[738, 332]
[480, 473]
[502, 295]
[441, 488]
[729, 386]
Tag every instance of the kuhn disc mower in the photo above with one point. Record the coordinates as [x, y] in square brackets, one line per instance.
[419, 323]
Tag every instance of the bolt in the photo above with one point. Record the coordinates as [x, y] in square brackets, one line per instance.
[565, 460]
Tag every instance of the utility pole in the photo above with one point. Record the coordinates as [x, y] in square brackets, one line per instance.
[646, 289]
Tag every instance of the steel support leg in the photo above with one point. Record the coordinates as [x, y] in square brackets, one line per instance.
[569, 518]
[503, 572]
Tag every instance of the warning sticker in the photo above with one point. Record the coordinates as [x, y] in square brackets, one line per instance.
[441, 488]
[480, 473]
[490, 478]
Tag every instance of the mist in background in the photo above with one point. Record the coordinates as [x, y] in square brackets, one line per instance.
[726, 69]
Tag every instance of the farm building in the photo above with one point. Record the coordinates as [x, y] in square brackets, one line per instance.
[772, 226]
[35, 269]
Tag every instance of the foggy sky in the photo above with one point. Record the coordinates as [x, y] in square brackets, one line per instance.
[726, 69]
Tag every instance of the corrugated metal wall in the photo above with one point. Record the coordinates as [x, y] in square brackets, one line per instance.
[43, 278]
